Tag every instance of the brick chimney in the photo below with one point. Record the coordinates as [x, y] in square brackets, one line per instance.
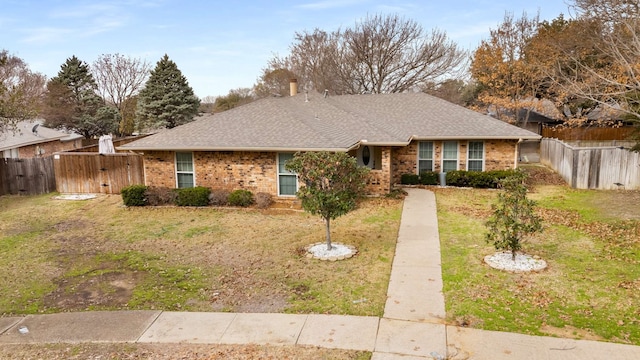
[293, 87]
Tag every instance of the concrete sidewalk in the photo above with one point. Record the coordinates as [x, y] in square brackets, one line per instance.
[412, 327]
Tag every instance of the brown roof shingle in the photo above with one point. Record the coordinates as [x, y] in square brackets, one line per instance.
[315, 122]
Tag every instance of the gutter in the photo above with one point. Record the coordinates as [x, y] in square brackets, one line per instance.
[458, 137]
[264, 149]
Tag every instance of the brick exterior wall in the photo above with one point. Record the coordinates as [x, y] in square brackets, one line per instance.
[257, 171]
[160, 169]
[498, 155]
[47, 148]
[379, 181]
[254, 171]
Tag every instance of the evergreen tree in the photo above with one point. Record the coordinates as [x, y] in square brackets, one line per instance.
[73, 103]
[167, 100]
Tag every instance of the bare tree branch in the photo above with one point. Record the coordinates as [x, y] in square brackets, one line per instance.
[119, 78]
[381, 54]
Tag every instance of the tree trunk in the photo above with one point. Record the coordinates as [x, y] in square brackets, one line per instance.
[328, 221]
[513, 255]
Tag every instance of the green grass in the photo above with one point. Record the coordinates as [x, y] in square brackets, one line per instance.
[590, 290]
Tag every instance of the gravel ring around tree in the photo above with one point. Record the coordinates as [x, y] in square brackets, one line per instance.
[522, 263]
[338, 251]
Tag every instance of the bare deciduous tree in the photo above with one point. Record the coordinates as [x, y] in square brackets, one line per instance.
[21, 91]
[393, 54]
[382, 54]
[119, 78]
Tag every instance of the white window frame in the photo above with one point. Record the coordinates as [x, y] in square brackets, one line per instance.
[457, 159]
[193, 168]
[285, 173]
[425, 159]
[469, 159]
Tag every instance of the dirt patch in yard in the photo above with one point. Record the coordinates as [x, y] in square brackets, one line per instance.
[86, 292]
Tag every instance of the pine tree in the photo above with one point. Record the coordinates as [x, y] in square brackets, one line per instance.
[167, 100]
[73, 103]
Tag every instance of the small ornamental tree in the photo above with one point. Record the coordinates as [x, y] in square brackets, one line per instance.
[513, 217]
[331, 184]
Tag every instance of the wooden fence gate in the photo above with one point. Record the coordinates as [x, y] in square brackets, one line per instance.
[80, 173]
[27, 176]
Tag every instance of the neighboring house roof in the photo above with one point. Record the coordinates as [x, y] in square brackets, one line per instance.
[336, 123]
[31, 132]
[532, 116]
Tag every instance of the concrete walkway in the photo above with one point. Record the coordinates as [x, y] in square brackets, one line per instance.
[412, 327]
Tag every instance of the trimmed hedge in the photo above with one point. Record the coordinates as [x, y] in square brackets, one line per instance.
[242, 198]
[195, 196]
[477, 179]
[409, 179]
[429, 178]
[134, 195]
[460, 178]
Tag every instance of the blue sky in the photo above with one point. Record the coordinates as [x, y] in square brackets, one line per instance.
[222, 45]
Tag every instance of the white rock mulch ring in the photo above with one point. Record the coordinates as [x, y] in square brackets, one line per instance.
[75, 197]
[522, 263]
[338, 251]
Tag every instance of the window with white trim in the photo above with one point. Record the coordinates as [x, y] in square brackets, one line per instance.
[475, 157]
[425, 156]
[449, 156]
[287, 180]
[185, 177]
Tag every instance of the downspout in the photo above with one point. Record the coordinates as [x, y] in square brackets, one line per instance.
[517, 154]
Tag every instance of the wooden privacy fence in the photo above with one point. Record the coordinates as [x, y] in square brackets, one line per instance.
[587, 133]
[604, 168]
[27, 176]
[78, 173]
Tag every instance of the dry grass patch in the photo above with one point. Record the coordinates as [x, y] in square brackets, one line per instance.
[589, 290]
[99, 255]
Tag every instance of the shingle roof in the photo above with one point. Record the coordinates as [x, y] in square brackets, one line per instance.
[24, 135]
[315, 122]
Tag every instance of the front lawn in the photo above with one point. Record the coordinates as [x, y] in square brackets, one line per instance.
[591, 289]
[60, 255]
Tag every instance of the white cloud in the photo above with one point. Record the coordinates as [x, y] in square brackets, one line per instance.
[46, 35]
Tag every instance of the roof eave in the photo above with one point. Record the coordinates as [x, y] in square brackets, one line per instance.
[28, 143]
[479, 137]
[198, 148]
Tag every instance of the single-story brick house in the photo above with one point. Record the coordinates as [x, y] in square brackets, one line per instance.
[393, 134]
[30, 139]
